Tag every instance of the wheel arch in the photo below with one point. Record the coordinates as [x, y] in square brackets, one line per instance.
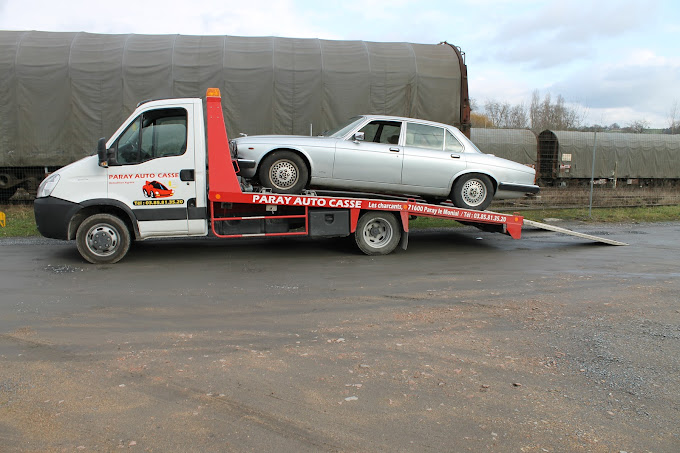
[302, 155]
[363, 211]
[385, 245]
[104, 206]
[494, 181]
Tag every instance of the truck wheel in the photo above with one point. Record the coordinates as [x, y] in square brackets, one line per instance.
[103, 239]
[472, 192]
[378, 233]
[284, 172]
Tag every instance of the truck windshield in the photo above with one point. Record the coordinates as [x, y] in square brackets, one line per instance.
[343, 129]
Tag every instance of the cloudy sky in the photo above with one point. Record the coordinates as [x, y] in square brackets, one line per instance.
[614, 60]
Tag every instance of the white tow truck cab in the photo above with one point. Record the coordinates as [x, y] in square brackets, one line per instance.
[152, 179]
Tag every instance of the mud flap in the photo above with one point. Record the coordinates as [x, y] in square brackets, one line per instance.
[403, 243]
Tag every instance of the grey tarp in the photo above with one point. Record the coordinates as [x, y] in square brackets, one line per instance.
[60, 92]
[618, 155]
[519, 145]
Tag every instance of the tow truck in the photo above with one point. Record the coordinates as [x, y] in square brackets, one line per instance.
[102, 201]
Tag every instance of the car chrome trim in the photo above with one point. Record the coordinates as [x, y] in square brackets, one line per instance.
[518, 188]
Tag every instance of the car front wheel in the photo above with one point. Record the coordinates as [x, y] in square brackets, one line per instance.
[103, 239]
[284, 172]
[472, 192]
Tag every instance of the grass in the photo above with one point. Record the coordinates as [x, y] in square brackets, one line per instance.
[612, 215]
[608, 215]
[20, 222]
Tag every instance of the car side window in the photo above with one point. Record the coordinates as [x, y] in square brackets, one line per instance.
[424, 136]
[452, 144]
[382, 132]
[153, 134]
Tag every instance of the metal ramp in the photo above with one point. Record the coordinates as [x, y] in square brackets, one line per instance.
[546, 226]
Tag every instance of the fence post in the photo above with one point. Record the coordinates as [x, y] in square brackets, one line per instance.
[592, 179]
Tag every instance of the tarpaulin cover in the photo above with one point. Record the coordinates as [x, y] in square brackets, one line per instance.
[618, 155]
[60, 92]
[519, 145]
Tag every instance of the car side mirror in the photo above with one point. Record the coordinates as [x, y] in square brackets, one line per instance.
[359, 136]
[102, 153]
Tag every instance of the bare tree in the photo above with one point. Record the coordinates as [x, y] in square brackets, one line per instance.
[497, 112]
[637, 126]
[674, 117]
[539, 115]
[548, 115]
[505, 115]
[535, 111]
[517, 117]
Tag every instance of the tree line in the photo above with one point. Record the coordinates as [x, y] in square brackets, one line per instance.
[546, 113]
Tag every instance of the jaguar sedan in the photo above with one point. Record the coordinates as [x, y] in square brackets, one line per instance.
[385, 154]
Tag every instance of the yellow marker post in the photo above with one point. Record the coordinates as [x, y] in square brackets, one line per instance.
[2, 219]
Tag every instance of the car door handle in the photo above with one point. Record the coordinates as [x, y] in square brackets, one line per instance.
[455, 156]
[394, 150]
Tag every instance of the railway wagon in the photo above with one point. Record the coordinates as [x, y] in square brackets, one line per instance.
[61, 92]
[565, 158]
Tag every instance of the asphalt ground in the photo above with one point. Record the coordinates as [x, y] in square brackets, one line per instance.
[467, 341]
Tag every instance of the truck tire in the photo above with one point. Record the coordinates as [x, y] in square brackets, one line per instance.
[378, 233]
[472, 191]
[284, 172]
[103, 239]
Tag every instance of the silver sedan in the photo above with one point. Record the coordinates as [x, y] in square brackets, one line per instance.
[385, 154]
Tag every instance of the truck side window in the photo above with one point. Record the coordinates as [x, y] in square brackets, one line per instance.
[153, 134]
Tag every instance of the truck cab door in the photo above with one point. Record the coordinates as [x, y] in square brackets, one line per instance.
[152, 171]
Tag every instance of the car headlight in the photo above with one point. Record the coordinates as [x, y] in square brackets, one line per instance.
[47, 186]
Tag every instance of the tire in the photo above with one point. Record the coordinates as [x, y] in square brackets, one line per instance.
[472, 192]
[103, 239]
[146, 193]
[378, 233]
[284, 172]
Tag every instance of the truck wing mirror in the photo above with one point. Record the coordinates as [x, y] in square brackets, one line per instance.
[102, 153]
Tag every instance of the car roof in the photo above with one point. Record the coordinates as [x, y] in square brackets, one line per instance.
[403, 118]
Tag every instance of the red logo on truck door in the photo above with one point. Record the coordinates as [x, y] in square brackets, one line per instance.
[154, 189]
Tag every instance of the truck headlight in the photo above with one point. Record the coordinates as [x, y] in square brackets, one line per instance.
[47, 186]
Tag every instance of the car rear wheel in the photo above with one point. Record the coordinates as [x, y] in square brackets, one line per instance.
[284, 172]
[103, 239]
[472, 192]
[378, 233]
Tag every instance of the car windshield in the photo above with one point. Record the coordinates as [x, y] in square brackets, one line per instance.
[343, 129]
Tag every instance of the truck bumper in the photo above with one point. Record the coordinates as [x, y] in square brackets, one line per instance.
[53, 216]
